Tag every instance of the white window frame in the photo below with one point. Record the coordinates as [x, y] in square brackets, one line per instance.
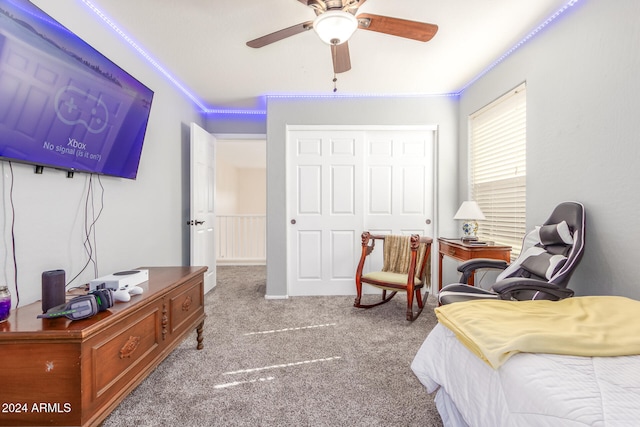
[497, 157]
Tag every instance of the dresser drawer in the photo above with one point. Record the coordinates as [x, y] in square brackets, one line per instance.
[185, 304]
[125, 350]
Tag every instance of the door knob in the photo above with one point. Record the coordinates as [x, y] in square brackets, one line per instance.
[293, 221]
[196, 222]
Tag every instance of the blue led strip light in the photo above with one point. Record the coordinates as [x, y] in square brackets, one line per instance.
[238, 112]
[360, 95]
[520, 43]
[144, 54]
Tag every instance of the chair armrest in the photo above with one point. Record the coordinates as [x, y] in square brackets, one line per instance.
[507, 288]
[468, 267]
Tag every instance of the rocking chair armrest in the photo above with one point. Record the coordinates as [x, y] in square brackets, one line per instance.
[425, 239]
[508, 287]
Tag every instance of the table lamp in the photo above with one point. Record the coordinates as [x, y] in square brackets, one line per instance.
[469, 212]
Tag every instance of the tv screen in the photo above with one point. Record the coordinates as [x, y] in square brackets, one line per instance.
[62, 103]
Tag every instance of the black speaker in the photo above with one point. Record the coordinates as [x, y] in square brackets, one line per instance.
[53, 289]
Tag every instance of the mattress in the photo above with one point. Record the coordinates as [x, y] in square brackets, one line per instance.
[529, 389]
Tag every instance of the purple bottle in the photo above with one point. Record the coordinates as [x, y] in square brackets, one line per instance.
[5, 303]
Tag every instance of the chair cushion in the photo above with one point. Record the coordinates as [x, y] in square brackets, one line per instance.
[555, 234]
[552, 240]
[386, 276]
[537, 261]
[542, 263]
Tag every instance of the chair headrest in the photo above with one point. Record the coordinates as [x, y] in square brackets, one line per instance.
[570, 212]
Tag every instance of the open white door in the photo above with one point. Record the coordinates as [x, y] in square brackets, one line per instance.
[202, 212]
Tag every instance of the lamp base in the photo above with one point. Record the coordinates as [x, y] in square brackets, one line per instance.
[470, 230]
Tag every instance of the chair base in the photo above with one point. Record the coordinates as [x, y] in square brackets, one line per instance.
[384, 299]
[411, 315]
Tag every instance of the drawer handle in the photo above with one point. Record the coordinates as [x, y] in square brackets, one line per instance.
[186, 305]
[129, 347]
[452, 251]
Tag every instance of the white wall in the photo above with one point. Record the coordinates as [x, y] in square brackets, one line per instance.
[241, 175]
[240, 191]
[252, 191]
[226, 187]
[441, 111]
[143, 222]
[583, 101]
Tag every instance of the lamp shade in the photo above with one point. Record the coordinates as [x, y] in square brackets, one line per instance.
[335, 26]
[469, 210]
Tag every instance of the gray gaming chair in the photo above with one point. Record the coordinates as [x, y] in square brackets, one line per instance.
[550, 254]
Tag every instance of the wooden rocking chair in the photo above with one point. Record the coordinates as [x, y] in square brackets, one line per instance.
[407, 268]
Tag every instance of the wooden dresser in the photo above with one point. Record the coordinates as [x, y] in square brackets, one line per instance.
[64, 373]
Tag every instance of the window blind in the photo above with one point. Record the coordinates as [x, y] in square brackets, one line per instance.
[498, 135]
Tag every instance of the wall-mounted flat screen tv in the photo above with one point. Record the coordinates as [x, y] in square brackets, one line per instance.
[62, 103]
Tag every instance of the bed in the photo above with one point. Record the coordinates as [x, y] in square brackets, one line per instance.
[520, 379]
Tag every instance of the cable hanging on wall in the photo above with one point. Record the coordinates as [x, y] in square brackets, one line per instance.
[13, 236]
[90, 220]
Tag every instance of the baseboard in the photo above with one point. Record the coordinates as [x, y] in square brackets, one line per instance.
[276, 297]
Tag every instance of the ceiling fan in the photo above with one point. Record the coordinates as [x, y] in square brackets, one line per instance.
[336, 21]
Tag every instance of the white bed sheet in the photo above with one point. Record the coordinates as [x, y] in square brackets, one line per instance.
[529, 389]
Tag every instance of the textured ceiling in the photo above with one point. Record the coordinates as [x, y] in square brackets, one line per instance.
[202, 44]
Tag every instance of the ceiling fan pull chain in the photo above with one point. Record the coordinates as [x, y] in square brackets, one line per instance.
[334, 55]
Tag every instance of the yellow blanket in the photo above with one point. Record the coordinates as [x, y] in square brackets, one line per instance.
[582, 326]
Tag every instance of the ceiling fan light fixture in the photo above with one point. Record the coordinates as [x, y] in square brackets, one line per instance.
[335, 26]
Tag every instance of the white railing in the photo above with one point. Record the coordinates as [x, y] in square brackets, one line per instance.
[241, 239]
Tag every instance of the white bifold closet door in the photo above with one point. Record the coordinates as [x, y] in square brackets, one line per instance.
[341, 182]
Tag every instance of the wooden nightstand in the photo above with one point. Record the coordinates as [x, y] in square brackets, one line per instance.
[463, 251]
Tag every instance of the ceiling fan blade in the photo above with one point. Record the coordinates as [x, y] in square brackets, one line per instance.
[279, 35]
[397, 27]
[340, 56]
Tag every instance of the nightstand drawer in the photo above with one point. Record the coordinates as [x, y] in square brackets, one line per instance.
[454, 252]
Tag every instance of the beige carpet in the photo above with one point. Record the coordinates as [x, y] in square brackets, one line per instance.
[304, 361]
